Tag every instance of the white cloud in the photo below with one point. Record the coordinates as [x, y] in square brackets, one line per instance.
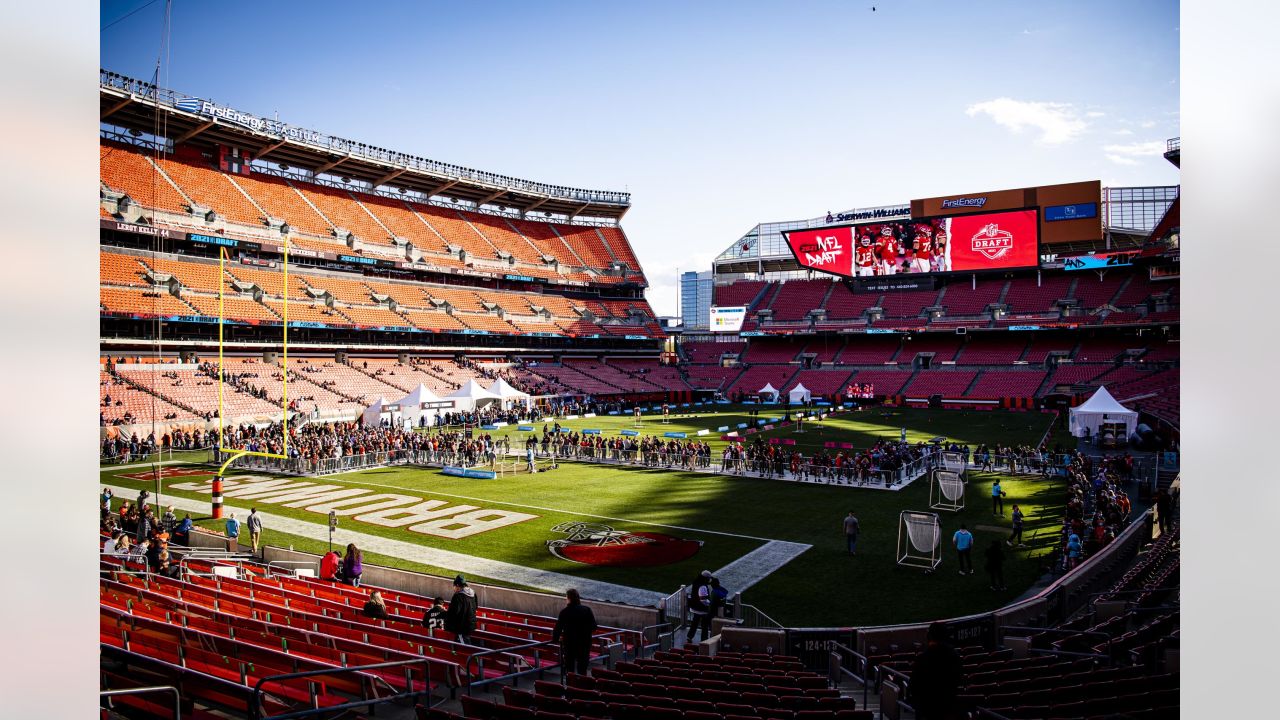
[1058, 123]
[1131, 153]
[1122, 131]
[1137, 149]
[1147, 124]
[1094, 114]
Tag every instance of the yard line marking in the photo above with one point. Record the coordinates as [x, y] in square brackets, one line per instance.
[546, 580]
[758, 564]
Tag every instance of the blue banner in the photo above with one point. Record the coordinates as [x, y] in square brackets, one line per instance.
[591, 432]
[1023, 327]
[741, 425]
[468, 472]
[723, 428]
[613, 412]
[525, 428]
[470, 331]
[1079, 211]
[761, 421]
[674, 434]
[881, 331]
[488, 427]
[630, 432]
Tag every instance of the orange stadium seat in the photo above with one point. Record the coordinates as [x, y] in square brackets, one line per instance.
[129, 170]
[486, 322]
[207, 186]
[117, 269]
[450, 226]
[143, 302]
[281, 200]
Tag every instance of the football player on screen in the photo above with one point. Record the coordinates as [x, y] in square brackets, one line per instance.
[922, 259]
[887, 251]
[941, 259]
[864, 257]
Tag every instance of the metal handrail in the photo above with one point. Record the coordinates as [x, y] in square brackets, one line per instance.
[177, 698]
[255, 707]
[512, 650]
[861, 660]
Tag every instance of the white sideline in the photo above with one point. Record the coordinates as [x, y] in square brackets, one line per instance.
[758, 564]
[454, 561]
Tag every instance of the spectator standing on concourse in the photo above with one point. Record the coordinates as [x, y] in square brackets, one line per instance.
[936, 677]
[255, 528]
[460, 618]
[233, 534]
[182, 533]
[963, 540]
[352, 566]
[329, 565]
[995, 565]
[574, 629]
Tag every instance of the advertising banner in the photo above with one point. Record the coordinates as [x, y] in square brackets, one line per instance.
[727, 319]
[973, 242]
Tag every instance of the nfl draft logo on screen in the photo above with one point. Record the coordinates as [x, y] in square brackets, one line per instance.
[595, 544]
[827, 249]
[992, 242]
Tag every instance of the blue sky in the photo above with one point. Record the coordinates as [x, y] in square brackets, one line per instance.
[715, 116]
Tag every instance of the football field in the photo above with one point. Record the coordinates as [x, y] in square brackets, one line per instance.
[649, 530]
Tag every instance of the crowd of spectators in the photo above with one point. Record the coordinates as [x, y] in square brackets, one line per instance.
[134, 532]
[1097, 508]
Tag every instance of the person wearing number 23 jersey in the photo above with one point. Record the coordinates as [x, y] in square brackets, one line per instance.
[864, 256]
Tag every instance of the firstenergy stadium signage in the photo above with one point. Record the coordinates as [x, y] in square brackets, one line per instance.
[437, 518]
[253, 122]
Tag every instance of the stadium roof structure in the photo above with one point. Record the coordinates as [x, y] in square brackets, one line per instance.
[139, 107]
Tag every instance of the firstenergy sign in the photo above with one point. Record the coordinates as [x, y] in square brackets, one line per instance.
[437, 518]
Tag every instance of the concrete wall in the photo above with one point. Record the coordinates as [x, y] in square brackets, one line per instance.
[534, 603]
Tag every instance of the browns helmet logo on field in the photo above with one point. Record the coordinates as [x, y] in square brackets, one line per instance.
[596, 544]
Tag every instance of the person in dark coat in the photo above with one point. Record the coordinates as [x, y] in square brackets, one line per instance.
[574, 630]
[460, 618]
[936, 677]
[995, 565]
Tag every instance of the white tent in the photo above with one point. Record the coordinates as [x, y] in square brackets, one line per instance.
[1098, 410]
[769, 390]
[411, 405]
[471, 396]
[374, 413]
[799, 394]
[510, 396]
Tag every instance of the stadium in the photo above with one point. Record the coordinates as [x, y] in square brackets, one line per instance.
[454, 378]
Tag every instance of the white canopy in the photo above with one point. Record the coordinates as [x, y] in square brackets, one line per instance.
[472, 395]
[799, 394]
[411, 405]
[510, 395]
[373, 414]
[769, 390]
[1099, 409]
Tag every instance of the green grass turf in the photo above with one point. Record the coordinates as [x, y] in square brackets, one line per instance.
[822, 587]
